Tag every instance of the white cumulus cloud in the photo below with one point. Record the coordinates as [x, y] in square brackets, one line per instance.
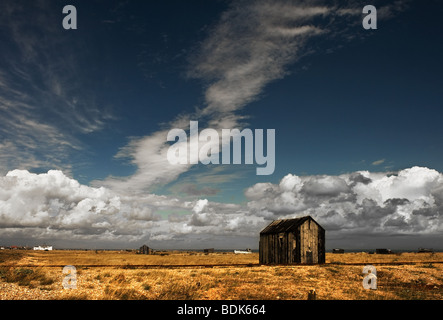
[53, 206]
[409, 201]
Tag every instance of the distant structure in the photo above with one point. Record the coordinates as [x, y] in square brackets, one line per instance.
[247, 251]
[383, 251]
[43, 248]
[291, 241]
[338, 250]
[210, 250]
[144, 249]
[425, 250]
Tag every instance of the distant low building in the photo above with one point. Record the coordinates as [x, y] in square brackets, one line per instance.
[209, 250]
[425, 250]
[144, 249]
[383, 251]
[43, 248]
[243, 251]
[338, 250]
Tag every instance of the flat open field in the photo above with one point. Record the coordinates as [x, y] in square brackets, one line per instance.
[27, 275]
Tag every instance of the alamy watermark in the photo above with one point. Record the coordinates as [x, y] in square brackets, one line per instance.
[370, 21]
[370, 280]
[70, 20]
[70, 280]
[206, 146]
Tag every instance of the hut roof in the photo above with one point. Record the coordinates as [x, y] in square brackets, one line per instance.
[286, 225]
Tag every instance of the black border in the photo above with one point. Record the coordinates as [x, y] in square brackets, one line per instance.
[167, 309]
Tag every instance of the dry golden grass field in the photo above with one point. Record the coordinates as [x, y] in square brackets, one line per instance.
[111, 275]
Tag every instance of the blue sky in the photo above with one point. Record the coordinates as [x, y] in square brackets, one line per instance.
[94, 105]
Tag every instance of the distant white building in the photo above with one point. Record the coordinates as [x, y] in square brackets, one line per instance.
[43, 248]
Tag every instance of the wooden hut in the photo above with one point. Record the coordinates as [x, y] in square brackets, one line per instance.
[144, 249]
[291, 241]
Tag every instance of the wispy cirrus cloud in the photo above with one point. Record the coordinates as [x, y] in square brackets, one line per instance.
[378, 162]
[43, 105]
[251, 45]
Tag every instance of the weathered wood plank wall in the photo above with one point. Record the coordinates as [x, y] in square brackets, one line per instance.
[303, 245]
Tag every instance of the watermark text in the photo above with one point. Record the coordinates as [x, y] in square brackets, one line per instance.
[206, 147]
